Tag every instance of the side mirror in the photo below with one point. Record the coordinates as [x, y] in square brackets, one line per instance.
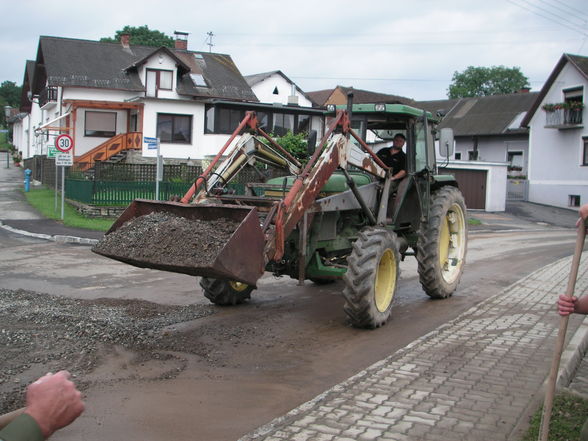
[446, 143]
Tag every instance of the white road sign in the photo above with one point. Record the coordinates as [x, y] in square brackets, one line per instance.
[63, 160]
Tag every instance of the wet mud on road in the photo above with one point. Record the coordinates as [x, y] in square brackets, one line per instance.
[179, 368]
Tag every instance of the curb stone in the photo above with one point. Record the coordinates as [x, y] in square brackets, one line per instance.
[58, 238]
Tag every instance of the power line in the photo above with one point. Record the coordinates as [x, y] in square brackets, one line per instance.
[570, 7]
[573, 26]
[560, 9]
[562, 18]
[426, 80]
[399, 44]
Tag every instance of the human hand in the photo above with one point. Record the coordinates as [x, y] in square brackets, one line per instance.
[54, 402]
[566, 305]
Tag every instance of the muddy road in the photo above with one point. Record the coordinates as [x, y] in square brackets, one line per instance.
[184, 369]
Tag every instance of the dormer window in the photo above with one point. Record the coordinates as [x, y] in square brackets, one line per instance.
[158, 80]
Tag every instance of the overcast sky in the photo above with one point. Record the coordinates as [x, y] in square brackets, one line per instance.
[408, 48]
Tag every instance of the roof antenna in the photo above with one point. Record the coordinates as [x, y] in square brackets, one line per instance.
[209, 40]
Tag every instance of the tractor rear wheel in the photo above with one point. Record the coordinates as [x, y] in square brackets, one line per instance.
[442, 243]
[371, 278]
[225, 292]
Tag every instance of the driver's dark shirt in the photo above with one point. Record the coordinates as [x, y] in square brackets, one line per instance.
[396, 162]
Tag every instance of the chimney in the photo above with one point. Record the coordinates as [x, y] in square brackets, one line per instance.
[293, 99]
[524, 90]
[181, 40]
[125, 40]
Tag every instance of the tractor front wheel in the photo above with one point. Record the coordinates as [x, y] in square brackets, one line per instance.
[442, 243]
[225, 292]
[371, 278]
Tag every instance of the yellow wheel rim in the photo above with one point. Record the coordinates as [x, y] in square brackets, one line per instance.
[238, 286]
[452, 243]
[385, 281]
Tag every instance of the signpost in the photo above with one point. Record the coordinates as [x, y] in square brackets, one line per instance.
[153, 144]
[63, 158]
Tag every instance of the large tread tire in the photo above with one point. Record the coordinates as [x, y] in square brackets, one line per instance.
[442, 244]
[225, 292]
[371, 278]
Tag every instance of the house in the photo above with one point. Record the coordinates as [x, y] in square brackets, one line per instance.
[108, 96]
[487, 128]
[275, 87]
[558, 144]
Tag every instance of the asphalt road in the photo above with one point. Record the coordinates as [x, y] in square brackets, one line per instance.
[287, 345]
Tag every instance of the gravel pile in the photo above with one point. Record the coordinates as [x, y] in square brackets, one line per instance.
[40, 333]
[163, 238]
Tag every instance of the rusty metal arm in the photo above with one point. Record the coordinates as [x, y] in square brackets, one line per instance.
[249, 120]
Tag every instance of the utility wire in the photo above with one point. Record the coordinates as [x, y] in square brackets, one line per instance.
[573, 26]
[562, 18]
[560, 9]
[570, 7]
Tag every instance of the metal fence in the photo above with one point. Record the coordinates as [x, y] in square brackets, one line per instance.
[112, 184]
[113, 193]
[517, 189]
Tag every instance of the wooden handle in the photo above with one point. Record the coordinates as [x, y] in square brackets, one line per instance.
[561, 337]
[8, 417]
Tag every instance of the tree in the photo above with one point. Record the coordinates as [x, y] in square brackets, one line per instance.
[482, 81]
[9, 96]
[142, 35]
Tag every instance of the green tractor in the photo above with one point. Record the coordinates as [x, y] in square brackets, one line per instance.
[339, 216]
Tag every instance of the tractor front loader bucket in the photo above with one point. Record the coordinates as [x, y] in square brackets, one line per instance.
[218, 241]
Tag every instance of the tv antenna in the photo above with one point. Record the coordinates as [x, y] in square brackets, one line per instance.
[209, 40]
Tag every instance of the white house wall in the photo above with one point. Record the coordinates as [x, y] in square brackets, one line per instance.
[555, 156]
[495, 181]
[195, 150]
[265, 88]
[83, 143]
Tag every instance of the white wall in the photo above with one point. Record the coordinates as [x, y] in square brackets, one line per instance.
[555, 156]
[495, 181]
[196, 149]
[264, 91]
[83, 143]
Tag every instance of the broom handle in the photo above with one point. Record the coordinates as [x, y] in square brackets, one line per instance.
[561, 337]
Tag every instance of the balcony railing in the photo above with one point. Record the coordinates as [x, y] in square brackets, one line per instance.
[563, 118]
[48, 95]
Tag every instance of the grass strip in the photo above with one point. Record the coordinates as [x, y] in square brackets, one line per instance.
[43, 200]
[568, 415]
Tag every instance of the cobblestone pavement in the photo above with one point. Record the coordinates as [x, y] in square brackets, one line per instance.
[477, 377]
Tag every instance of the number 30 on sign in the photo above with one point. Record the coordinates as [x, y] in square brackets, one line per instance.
[64, 143]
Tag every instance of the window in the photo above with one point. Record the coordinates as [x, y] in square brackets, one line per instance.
[101, 124]
[472, 155]
[175, 129]
[283, 123]
[276, 91]
[585, 152]
[229, 119]
[198, 80]
[458, 156]
[574, 200]
[158, 80]
[515, 160]
[220, 119]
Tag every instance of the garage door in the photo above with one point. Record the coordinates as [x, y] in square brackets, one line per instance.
[472, 184]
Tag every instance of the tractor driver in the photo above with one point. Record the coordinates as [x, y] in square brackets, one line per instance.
[394, 157]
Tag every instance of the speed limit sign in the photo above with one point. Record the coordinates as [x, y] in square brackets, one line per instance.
[64, 143]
